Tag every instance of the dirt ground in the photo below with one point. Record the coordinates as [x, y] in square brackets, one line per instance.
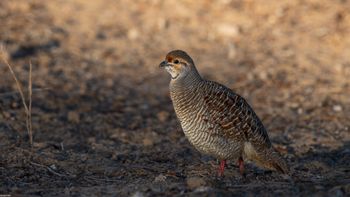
[103, 121]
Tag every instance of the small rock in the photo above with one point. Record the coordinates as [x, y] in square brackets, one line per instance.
[263, 75]
[224, 2]
[347, 188]
[160, 178]
[337, 108]
[147, 141]
[5, 115]
[39, 144]
[195, 182]
[133, 34]
[319, 187]
[336, 192]
[15, 190]
[300, 111]
[162, 116]
[150, 139]
[159, 183]
[138, 194]
[66, 191]
[317, 166]
[14, 105]
[3, 52]
[73, 116]
[202, 189]
[162, 23]
[227, 30]
[232, 51]
[278, 192]
[346, 151]
[84, 157]
[53, 166]
[293, 105]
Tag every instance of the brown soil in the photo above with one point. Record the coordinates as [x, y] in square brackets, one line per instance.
[103, 121]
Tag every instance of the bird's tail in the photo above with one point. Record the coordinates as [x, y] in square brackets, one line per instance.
[272, 160]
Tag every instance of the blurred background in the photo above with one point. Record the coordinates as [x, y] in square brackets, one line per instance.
[103, 122]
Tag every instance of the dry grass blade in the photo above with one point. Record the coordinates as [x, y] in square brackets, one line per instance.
[48, 168]
[20, 91]
[18, 84]
[16, 92]
[29, 114]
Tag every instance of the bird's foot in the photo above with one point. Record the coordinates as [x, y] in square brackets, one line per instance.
[222, 168]
[241, 166]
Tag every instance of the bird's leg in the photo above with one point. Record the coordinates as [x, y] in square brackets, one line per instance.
[222, 167]
[241, 165]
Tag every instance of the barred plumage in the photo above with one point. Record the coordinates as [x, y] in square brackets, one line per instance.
[216, 120]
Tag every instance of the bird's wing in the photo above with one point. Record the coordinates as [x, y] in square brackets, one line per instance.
[232, 117]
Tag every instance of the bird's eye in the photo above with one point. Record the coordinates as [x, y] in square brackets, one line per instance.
[176, 61]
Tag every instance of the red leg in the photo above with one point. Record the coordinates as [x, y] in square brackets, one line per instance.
[241, 166]
[222, 167]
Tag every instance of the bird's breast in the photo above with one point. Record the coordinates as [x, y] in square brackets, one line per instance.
[192, 113]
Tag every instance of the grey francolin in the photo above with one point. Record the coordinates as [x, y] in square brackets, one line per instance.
[217, 121]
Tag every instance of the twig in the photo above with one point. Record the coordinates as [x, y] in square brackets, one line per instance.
[62, 147]
[100, 179]
[48, 168]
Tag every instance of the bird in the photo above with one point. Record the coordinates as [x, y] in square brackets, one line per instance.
[216, 120]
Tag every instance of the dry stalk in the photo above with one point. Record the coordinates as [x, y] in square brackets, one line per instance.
[29, 114]
[27, 109]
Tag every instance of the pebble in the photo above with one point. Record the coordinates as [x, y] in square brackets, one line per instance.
[53, 166]
[319, 187]
[133, 34]
[232, 51]
[150, 138]
[195, 182]
[347, 188]
[73, 117]
[300, 111]
[159, 184]
[160, 178]
[147, 141]
[337, 108]
[202, 189]
[228, 30]
[162, 116]
[138, 194]
[336, 192]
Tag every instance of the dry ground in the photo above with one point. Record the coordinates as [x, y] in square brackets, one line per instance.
[106, 127]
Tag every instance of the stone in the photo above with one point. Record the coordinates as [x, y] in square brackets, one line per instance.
[195, 182]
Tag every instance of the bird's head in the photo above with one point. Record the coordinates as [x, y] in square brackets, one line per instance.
[178, 64]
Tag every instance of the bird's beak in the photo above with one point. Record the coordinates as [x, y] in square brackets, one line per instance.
[163, 64]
